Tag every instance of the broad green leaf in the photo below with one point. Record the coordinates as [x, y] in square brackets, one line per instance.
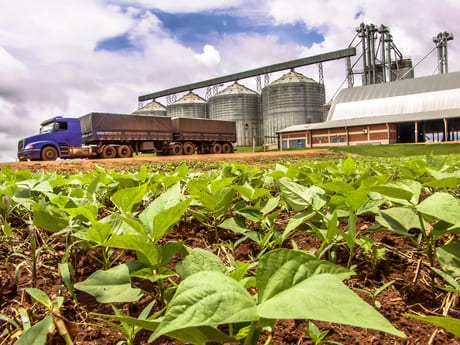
[207, 299]
[447, 182]
[270, 205]
[165, 219]
[448, 278]
[449, 258]
[99, 232]
[348, 166]
[146, 251]
[36, 335]
[199, 260]
[128, 198]
[339, 187]
[442, 206]
[235, 224]
[88, 212]
[49, 218]
[324, 297]
[167, 251]
[449, 323]
[296, 221]
[399, 220]
[300, 197]
[393, 191]
[6, 228]
[39, 296]
[113, 285]
[281, 269]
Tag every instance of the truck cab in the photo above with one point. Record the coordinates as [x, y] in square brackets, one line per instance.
[58, 137]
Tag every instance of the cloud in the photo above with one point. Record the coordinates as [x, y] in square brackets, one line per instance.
[210, 55]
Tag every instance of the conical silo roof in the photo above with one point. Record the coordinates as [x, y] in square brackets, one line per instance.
[152, 106]
[190, 98]
[235, 88]
[293, 77]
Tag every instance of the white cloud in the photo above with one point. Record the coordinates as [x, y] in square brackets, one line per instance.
[210, 56]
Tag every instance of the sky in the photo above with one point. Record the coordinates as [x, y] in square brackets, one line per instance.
[70, 58]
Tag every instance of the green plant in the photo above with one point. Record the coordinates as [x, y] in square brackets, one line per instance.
[375, 292]
[318, 337]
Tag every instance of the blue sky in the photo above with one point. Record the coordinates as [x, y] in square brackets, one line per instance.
[195, 30]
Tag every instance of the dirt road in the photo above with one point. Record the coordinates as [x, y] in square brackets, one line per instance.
[122, 163]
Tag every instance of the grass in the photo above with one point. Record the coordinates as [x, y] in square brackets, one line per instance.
[400, 150]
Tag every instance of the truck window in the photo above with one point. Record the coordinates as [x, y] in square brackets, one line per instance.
[47, 127]
[60, 126]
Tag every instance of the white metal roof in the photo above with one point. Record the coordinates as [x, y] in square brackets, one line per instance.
[435, 94]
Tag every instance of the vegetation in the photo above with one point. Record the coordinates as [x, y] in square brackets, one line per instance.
[201, 296]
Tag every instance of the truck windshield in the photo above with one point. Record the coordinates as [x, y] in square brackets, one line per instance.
[47, 127]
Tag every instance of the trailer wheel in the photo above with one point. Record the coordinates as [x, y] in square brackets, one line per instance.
[177, 149]
[109, 152]
[216, 148]
[124, 151]
[49, 153]
[227, 148]
[189, 148]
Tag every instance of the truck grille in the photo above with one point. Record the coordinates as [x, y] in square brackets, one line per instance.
[20, 145]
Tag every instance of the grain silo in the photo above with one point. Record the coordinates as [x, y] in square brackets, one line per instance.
[242, 105]
[153, 108]
[190, 105]
[293, 99]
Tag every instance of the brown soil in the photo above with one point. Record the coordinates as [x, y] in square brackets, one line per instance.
[126, 163]
[410, 292]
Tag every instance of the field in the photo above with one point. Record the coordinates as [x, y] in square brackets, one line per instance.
[296, 247]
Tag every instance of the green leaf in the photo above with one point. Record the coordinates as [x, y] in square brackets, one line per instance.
[442, 206]
[300, 197]
[393, 191]
[207, 299]
[199, 260]
[66, 277]
[282, 269]
[449, 323]
[49, 218]
[99, 232]
[6, 228]
[399, 220]
[36, 335]
[113, 285]
[348, 166]
[129, 198]
[235, 224]
[449, 258]
[167, 218]
[40, 296]
[324, 297]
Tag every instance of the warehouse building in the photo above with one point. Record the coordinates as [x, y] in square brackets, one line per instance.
[425, 109]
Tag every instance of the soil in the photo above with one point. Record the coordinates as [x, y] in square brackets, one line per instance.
[410, 293]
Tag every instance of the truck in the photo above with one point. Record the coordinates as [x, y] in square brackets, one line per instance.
[108, 135]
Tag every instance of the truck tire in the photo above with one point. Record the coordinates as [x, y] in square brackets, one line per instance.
[189, 148]
[216, 148]
[124, 151]
[109, 152]
[176, 149]
[227, 148]
[49, 153]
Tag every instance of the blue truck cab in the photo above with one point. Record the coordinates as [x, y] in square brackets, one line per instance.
[58, 137]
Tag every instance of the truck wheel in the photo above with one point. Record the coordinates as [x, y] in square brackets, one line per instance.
[176, 149]
[124, 151]
[109, 152]
[49, 153]
[189, 148]
[227, 148]
[216, 148]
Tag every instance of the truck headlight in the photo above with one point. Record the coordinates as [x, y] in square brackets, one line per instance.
[28, 147]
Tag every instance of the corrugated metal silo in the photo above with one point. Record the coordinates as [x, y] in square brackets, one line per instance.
[293, 99]
[153, 108]
[190, 105]
[242, 105]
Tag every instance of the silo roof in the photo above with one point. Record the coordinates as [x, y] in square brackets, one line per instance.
[236, 88]
[152, 106]
[436, 95]
[190, 98]
[293, 77]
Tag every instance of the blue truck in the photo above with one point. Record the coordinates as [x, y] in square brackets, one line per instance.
[107, 135]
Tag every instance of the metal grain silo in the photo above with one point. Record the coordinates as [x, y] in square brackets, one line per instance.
[153, 108]
[293, 99]
[242, 105]
[190, 105]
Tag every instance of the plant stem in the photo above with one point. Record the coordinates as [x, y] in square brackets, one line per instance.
[250, 335]
[33, 248]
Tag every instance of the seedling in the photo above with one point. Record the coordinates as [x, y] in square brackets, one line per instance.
[374, 293]
[318, 337]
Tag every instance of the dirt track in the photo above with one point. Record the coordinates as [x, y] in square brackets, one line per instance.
[121, 163]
